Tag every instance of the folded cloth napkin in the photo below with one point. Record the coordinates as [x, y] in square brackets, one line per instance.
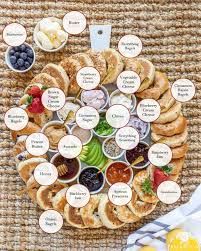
[154, 232]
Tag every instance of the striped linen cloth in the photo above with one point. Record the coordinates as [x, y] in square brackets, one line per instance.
[154, 233]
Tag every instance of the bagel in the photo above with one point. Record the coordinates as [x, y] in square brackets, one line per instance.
[170, 115]
[179, 151]
[58, 72]
[45, 194]
[176, 165]
[107, 213]
[99, 62]
[138, 181]
[147, 75]
[71, 66]
[44, 79]
[172, 141]
[20, 145]
[131, 64]
[169, 129]
[161, 84]
[29, 129]
[73, 217]
[32, 188]
[83, 58]
[166, 101]
[142, 208]
[88, 213]
[42, 118]
[59, 200]
[114, 65]
[26, 168]
[125, 215]
[26, 155]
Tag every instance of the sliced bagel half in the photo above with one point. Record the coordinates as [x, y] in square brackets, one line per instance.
[139, 181]
[59, 200]
[58, 72]
[166, 101]
[73, 216]
[89, 213]
[172, 141]
[99, 62]
[26, 168]
[45, 194]
[125, 215]
[180, 151]
[170, 115]
[108, 214]
[142, 208]
[169, 129]
[115, 65]
[32, 188]
[84, 59]
[42, 118]
[45, 79]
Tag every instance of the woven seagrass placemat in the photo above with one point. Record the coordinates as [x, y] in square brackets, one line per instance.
[171, 36]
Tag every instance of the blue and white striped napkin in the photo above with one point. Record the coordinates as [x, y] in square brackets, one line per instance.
[187, 216]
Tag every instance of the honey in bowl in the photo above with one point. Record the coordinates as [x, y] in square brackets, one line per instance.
[118, 172]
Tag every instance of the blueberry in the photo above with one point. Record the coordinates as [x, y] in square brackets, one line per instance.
[30, 53]
[16, 66]
[20, 62]
[22, 47]
[17, 54]
[22, 68]
[23, 55]
[16, 48]
[27, 64]
[11, 52]
[30, 60]
[13, 60]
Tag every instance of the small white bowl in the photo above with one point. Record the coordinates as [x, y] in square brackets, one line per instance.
[72, 128]
[54, 122]
[37, 29]
[133, 98]
[106, 96]
[7, 59]
[97, 191]
[69, 180]
[138, 167]
[148, 126]
[106, 154]
[104, 136]
[67, 100]
[131, 178]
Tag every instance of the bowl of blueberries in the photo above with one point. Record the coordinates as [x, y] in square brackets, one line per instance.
[20, 58]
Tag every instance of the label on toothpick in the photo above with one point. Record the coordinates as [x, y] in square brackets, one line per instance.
[16, 119]
[37, 144]
[77, 195]
[148, 110]
[160, 154]
[128, 82]
[51, 221]
[87, 117]
[88, 78]
[14, 34]
[120, 194]
[169, 192]
[183, 90]
[130, 46]
[127, 138]
[53, 99]
[45, 174]
[74, 22]
[70, 146]
[117, 116]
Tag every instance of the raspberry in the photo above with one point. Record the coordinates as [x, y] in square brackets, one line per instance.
[35, 91]
[36, 106]
[159, 177]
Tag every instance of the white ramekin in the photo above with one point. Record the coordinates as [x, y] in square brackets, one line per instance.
[73, 127]
[107, 155]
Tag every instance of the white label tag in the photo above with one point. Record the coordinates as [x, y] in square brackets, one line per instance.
[100, 37]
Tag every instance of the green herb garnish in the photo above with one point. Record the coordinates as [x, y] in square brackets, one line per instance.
[103, 128]
[147, 187]
[29, 100]
[167, 169]
[44, 87]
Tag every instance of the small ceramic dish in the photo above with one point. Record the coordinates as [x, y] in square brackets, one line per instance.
[106, 154]
[83, 142]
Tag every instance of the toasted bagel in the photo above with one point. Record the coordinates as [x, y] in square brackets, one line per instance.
[161, 84]
[32, 188]
[29, 129]
[59, 200]
[83, 58]
[179, 151]
[107, 212]
[58, 72]
[114, 65]
[131, 64]
[169, 129]
[71, 66]
[125, 215]
[169, 116]
[88, 213]
[99, 62]
[172, 141]
[166, 101]
[73, 217]
[26, 168]
[42, 118]
[44, 79]
[142, 208]
[176, 165]
[45, 194]
[138, 180]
